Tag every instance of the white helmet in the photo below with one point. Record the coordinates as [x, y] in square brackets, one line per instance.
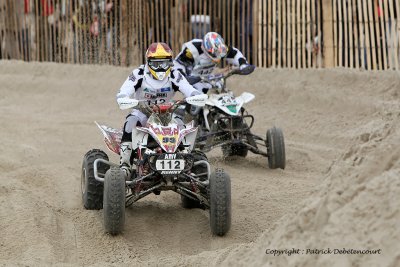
[214, 46]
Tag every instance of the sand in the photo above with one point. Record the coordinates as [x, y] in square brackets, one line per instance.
[340, 188]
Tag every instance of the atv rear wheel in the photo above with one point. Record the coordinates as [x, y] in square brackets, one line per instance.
[189, 203]
[275, 148]
[220, 202]
[92, 190]
[114, 201]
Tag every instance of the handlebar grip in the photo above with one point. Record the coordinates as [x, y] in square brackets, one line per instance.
[246, 71]
[193, 79]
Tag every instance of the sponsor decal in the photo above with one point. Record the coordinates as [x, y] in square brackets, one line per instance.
[154, 96]
[166, 89]
[149, 96]
[232, 108]
[170, 156]
[132, 77]
[170, 172]
[162, 94]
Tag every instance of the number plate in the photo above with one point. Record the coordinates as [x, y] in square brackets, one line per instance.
[228, 101]
[170, 165]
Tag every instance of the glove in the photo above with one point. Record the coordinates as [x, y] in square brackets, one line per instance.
[219, 85]
[195, 93]
[243, 66]
[126, 102]
[246, 69]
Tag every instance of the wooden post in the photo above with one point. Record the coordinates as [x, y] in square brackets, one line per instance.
[289, 33]
[367, 40]
[356, 34]
[310, 40]
[319, 33]
[335, 37]
[346, 36]
[395, 25]
[2, 29]
[371, 23]
[328, 35]
[284, 31]
[378, 34]
[293, 24]
[279, 36]
[258, 8]
[387, 33]
[361, 35]
[298, 34]
[265, 26]
[124, 31]
[391, 37]
[273, 33]
[303, 34]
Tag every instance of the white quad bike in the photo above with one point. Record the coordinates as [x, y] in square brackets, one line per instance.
[225, 123]
[165, 160]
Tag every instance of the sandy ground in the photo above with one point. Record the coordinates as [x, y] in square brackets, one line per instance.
[340, 188]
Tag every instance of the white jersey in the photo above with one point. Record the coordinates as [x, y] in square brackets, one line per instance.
[194, 62]
[141, 85]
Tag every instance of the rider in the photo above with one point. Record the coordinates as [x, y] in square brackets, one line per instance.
[156, 81]
[200, 57]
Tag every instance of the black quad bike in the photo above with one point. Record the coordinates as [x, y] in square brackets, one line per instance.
[224, 122]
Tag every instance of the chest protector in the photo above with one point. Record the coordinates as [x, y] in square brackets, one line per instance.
[155, 91]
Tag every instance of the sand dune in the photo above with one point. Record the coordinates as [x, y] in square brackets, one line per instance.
[340, 188]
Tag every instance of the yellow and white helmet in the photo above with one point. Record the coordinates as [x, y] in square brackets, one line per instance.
[159, 60]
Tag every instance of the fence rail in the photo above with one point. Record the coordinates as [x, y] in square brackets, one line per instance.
[270, 33]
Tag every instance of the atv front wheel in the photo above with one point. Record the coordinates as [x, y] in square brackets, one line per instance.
[92, 190]
[220, 202]
[114, 201]
[275, 148]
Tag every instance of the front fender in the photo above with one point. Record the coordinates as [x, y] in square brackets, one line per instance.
[245, 97]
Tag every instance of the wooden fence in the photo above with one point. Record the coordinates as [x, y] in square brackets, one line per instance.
[270, 33]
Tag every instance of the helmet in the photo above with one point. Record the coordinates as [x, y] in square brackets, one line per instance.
[214, 46]
[159, 60]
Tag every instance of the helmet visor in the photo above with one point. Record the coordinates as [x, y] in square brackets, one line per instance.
[218, 54]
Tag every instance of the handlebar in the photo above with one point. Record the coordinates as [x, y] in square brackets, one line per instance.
[236, 71]
[196, 100]
[162, 108]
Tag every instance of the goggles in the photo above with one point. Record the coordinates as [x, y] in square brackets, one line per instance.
[161, 64]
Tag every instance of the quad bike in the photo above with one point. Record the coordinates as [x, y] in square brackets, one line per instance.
[225, 123]
[165, 160]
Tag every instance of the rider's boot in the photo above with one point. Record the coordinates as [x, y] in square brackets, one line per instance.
[125, 153]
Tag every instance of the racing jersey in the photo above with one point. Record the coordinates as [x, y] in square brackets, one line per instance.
[194, 62]
[141, 86]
